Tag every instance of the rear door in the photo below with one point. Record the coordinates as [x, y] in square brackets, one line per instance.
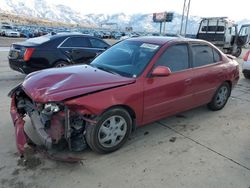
[208, 72]
[78, 49]
[165, 96]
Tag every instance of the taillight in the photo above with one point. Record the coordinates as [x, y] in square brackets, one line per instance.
[28, 53]
[245, 58]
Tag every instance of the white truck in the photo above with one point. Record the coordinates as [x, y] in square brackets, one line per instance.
[223, 33]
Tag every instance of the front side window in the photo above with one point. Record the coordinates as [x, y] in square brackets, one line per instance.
[202, 55]
[77, 42]
[175, 58]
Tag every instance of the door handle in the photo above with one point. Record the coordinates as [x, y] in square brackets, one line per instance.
[68, 51]
[188, 81]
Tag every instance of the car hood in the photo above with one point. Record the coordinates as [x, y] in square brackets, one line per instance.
[58, 84]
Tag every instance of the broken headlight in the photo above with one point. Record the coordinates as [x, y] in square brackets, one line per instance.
[50, 108]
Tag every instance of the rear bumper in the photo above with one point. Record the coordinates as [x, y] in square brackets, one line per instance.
[246, 71]
[21, 66]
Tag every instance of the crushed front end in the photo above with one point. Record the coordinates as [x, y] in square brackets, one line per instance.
[47, 126]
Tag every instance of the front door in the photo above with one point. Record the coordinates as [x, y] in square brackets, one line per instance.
[164, 96]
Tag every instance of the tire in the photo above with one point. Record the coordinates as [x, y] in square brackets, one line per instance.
[60, 64]
[238, 52]
[105, 136]
[247, 76]
[220, 97]
[247, 45]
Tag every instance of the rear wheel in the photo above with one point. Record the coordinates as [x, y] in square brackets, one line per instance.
[61, 64]
[247, 76]
[238, 52]
[111, 131]
[220, 97]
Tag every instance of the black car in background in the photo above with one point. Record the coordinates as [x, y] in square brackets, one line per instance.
[54, 50]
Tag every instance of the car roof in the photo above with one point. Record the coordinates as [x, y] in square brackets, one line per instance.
[66, 34]
[161, 40]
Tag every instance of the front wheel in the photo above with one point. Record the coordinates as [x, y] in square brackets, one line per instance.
[220, 97]
[111, 131]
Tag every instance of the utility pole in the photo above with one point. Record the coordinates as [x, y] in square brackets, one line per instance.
[185, 15]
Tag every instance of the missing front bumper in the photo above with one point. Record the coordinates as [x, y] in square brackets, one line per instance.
[30, 130]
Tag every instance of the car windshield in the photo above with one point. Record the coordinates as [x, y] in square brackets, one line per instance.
[127, 58]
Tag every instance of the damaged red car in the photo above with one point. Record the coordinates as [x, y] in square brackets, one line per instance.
[133, 83]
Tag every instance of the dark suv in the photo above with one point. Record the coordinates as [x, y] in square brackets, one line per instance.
[54, 50]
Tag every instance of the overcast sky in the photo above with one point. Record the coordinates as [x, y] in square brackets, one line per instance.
[234, 9]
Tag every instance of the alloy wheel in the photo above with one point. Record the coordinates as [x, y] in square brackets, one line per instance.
[112, 131]
[222, 96]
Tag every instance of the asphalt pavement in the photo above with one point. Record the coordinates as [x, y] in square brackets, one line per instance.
[198, 148]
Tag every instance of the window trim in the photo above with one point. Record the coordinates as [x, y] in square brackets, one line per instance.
[100, 41]
[65, 40]
[217, 51]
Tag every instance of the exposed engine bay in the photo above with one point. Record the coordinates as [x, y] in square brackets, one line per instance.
[48, 126]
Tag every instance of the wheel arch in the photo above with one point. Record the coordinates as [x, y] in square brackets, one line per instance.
[128, 109]
[230, 85]
[58, 60]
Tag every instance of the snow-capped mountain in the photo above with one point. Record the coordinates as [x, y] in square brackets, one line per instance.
[45, 9]
[40, 9]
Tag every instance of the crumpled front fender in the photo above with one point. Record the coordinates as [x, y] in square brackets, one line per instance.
[19, 126]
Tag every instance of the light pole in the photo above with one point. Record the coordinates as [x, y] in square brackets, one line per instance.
[185, 13]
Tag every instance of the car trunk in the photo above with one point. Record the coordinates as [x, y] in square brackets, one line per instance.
[17, 51]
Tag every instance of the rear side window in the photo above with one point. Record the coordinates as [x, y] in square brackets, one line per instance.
[175, 57]
[96, 43]
[202, 55]
[78, 42]
[213, 28]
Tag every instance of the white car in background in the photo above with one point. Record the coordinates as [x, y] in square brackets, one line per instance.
[246, 65]
[8, 31]
[129, 35]
[12, 33]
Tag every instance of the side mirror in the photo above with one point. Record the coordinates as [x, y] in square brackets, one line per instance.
[161, 71]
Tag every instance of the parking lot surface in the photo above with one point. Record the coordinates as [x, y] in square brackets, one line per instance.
[197, 148]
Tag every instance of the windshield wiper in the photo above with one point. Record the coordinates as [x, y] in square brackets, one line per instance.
[106, 70]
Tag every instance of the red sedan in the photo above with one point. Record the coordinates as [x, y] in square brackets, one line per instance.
[133, 83]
